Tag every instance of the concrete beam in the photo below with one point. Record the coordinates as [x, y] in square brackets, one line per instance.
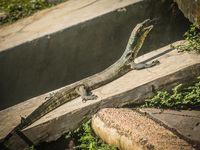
[134, 87]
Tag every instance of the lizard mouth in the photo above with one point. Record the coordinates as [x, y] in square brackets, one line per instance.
[147, 28]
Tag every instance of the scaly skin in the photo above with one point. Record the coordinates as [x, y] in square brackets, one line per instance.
[119, 68]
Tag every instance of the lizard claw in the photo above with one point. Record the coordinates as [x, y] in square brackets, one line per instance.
[156, 62]
[91, 97]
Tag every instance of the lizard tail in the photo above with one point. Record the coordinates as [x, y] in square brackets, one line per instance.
[14, 131]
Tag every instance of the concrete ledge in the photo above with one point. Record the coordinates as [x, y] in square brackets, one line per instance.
[56, 19]
[134, 87]
[185, 122]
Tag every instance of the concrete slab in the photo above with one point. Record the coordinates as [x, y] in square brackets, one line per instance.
[186, 122]
[134, 87]
[76, 39]
[56, 19]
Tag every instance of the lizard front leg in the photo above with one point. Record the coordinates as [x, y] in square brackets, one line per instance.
[81, 90]
[142, 65]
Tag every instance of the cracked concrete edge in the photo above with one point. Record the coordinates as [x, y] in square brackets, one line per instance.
[190, 113]
[194, 143]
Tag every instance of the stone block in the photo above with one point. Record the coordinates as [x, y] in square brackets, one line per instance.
[129, 130]
[191, 10]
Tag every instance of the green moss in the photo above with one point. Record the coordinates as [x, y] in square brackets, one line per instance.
[32, 148]
[87, 140]
[188, 98]
[192, 40]
[18, 9]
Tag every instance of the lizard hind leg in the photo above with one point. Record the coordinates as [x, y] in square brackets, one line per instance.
[81, 90]
[142, 65]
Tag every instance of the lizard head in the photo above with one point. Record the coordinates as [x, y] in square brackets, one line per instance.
[136, 40]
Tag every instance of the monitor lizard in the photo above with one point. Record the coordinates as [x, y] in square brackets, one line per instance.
[81, 88]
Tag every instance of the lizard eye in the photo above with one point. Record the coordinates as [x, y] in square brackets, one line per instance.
[128, 55]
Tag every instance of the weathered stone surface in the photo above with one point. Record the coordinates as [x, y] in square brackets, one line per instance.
[185, 122]
[191, 10]
[129, 130]
[133, 87]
